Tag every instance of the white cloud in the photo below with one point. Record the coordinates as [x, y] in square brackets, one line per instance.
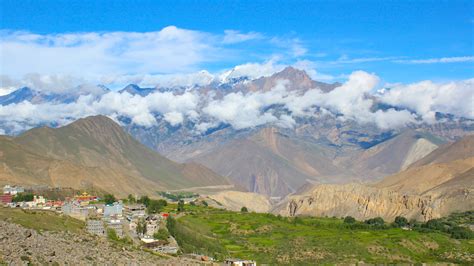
[233, 36]
[169, 50]
[353, 100]
[427, 98]
[458, 59]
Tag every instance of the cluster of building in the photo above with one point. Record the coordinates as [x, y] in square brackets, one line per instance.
[37, 202]
[129, 220]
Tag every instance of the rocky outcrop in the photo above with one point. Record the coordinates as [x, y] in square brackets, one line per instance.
[19, 245]
[429, 189]
[359, 201]
[235, 200]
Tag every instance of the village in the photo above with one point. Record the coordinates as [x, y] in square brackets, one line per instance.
[116, 219]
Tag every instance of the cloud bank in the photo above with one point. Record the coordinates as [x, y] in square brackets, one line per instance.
[353, 100]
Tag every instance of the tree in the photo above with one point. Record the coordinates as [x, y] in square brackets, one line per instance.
[131, 198]
[400, 221]
[244, 209]
[377, 221]
[434, 224]
[109, 199]
[349, 220]
[155, 206]
[459, 232]
[162, 234]
[23, 197]
[141, 227]
[181, 206]
[145, 200]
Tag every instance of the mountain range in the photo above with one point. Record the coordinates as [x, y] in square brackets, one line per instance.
[440, 183]
[320, 156]
[95, 151]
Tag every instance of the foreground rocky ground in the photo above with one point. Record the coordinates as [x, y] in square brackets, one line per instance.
[19, 245]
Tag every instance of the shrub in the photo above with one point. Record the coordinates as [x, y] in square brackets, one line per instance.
[377, 221]
[180, 206]
[109, 198]
[434, 224]
[244, 209]
[155, 206]
[349, 220]
[400, 221]
[162, 234]
[459, 232]
[145, 200]
[112, 235]
[23, 197]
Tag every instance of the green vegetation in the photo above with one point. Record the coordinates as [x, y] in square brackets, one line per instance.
[109, 199]
[41, 220]
[244, 209]
[176, 196]
[131, 199]
[152, 206]
[308, 240]
[23, 197]
[145, 200]
[455, 225]
[349, 220]
[155, 206]
[141, 227]
[162, 234]
[180, 206]
[400, 221]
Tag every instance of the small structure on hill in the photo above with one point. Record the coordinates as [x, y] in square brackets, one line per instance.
[12, 190]
[239, 262]
[95, 227]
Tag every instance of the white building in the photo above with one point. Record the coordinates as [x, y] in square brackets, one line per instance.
[12, 190]
[239, 262]
[95, 226]
[114, 209]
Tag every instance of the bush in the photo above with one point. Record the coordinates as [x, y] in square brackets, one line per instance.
[23, 197]
[180, 206]
[162, 234]
[400, 221]
[349, 220]
[244, 209]
[434, 224]
[145, 200]
[377, 221]
[155, 206]
[112, 235]
[109, 199]
[459, 232]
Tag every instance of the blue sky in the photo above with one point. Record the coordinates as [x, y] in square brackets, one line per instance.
[400, 41]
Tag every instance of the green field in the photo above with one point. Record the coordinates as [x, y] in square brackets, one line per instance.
[277, 240]
[41, 220]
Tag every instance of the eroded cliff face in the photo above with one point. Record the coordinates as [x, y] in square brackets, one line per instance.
[363, 202]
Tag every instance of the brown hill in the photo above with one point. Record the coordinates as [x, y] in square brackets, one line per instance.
[393, 155]
[271, 163]
[421, 192]
[95, 151]
[462, 149]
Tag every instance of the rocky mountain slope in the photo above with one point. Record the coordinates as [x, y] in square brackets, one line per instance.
[424, 191]
[271, 163]
[235, 200]
[95, 151]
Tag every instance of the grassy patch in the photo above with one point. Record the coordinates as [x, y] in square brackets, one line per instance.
[308, 240]
[41, 220]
